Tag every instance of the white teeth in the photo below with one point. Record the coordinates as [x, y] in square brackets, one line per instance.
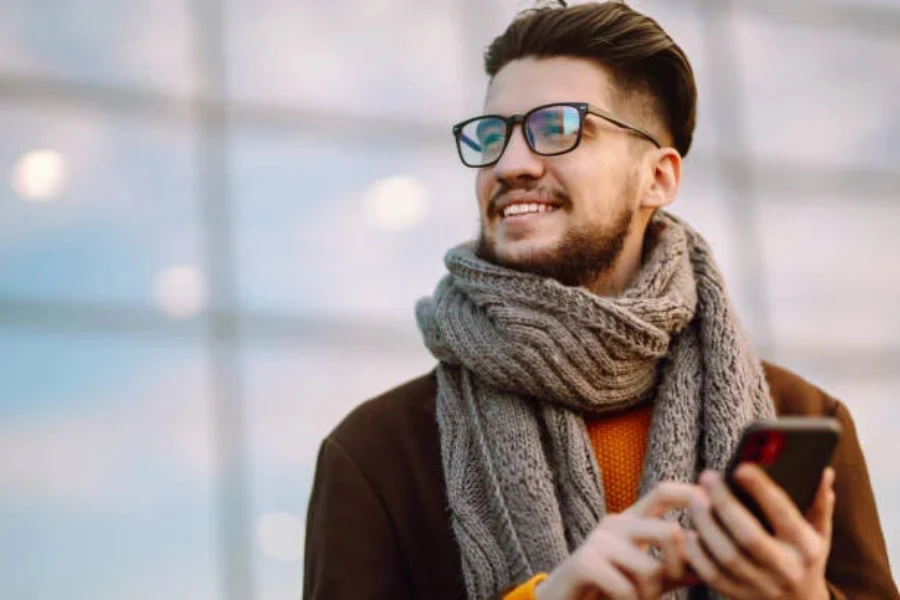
[521, 209]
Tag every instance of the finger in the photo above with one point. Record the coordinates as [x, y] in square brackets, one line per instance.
[787, 522]
[595, 569]
[822, 511]
[724, 552]
[753, 547]
[673, 558]
[628, 533]
[707, 570]
[641, 530]
[613, 584]
[668, 537]
[689, 579]
[663, 497]
[644, 571]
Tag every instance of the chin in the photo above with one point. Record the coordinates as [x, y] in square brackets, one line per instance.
[519, 253]
[576, 258]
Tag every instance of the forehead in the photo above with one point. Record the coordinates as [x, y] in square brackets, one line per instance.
[528, 82]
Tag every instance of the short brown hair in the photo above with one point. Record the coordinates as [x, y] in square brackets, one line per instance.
[640, 54]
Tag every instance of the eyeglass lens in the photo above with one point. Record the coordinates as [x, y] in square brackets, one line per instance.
[549, 130]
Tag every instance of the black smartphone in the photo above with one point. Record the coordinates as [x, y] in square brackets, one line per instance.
[793, 451]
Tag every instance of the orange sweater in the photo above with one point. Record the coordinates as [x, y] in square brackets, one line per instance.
[620, 443]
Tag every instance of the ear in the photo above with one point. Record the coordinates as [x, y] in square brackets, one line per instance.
[666, 178]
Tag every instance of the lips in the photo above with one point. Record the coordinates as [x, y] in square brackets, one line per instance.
[520, 202]
[517, 209]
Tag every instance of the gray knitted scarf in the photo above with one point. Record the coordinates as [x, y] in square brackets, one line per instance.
[524, 358]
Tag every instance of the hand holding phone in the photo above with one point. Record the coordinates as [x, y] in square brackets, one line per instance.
[731, 550]
[793, 451]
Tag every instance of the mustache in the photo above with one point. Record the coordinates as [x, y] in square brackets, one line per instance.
[546, 194]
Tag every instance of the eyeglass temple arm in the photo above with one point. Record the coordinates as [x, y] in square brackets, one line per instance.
[603, 115]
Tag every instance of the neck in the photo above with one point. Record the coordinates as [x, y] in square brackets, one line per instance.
[616, 280]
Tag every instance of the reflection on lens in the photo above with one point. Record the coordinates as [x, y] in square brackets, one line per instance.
[554, 129]
[481, 141]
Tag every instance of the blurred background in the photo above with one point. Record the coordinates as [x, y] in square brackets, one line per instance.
[216, 215]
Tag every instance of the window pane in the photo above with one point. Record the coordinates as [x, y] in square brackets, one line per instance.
[106, 478]
[97, 207]
[295, 397]
[138, 43]
[393, 57]
[819, 96]
[869, 3]
[832, 276]
[346, 228]
[704, 203]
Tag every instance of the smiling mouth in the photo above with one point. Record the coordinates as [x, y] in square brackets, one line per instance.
[520, 210]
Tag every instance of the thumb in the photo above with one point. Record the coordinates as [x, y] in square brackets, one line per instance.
[665, 496]
[822, 511]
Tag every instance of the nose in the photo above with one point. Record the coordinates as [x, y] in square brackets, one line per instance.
[518, 161]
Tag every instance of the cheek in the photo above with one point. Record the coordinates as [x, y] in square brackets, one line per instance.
[591, 186]
[484, 183]
[578, 182]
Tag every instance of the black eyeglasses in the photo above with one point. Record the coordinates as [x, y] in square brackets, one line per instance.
[550, 130]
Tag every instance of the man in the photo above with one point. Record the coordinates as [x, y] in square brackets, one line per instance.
[591, 370]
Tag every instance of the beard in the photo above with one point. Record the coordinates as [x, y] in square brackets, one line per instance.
[581, 257]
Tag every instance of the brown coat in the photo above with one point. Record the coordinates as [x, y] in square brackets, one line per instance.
[378, 525]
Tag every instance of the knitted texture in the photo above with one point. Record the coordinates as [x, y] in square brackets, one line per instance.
[522, 358]
[620, 444]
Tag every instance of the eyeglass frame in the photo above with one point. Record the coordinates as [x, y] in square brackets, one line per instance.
[511, 121]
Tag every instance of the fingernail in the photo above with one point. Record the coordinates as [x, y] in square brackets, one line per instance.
[709, 479]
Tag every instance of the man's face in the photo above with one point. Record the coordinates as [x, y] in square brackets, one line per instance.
[589, 195]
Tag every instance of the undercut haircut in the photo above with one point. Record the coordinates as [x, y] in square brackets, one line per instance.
[646, 64]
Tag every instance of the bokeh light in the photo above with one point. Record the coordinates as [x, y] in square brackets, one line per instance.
[39, 175]
[181, 291]
[396, 203]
